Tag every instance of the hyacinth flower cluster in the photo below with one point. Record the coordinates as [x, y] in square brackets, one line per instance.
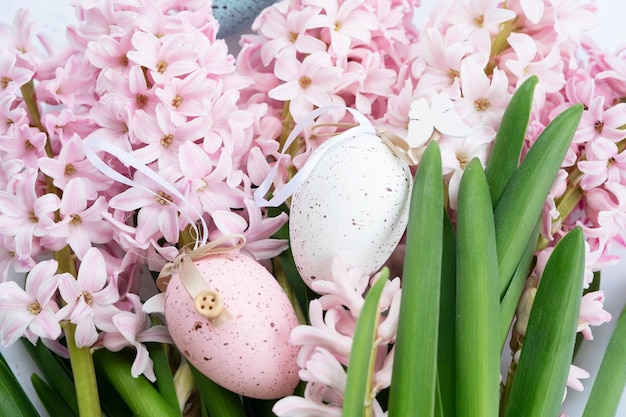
[477, 53]
[153, 80]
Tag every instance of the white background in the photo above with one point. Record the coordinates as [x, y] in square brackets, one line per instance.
[52, 16]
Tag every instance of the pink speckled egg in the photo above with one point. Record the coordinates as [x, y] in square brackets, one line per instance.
[249, 353]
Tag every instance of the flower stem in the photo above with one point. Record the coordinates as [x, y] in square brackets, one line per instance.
[65, 259]
[506, 388]
[570, 198]
[186, 238]
[80, 358]
[499, 44]
[288, 124]
[283, 281]
[84, 374]
[30, 99]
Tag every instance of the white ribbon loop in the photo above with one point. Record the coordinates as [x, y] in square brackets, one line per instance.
[281, 195]
[93, 145]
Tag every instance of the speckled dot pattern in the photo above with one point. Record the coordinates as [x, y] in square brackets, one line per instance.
[354, 203]
[250, 354]
[237, 15]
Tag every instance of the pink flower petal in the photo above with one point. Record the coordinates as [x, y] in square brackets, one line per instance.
[92, 273]
[14, 327]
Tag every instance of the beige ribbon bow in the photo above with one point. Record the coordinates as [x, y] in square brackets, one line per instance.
[207, 301]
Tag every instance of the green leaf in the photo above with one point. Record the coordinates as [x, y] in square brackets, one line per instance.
[610, 383]
[439, 408]
[114, 406]
[508, 304]
[217, 400]
[13, 399]
[291, 282]
[357, 401]
[521, 203]
[415, 359]
[260, 408]
[302, 293]
[477, 299]
[163, 373]
[54, 404]
[446, 373]
[507, 146]
[549, 342]
[54, 372]
[142, 398]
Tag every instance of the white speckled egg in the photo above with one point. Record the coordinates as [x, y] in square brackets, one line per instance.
[235, 16]
[354, 203]
[248, 354]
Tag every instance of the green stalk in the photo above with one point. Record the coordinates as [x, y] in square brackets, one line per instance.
[610, 383]
[80, 358]
[548, 347]
[287, 273]
[285, 284]
[84, 374]
[478, 302]
[572, 195]
[83, 370]
[413, 384]
[500, 41]
[357, 399]
[30, 99]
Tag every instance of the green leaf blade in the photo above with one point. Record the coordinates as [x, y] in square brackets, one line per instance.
[217, 401]
[54, 372]
[548, 346]
[446, 360]
[415, 360]
[507, 146]
[357, 401]
[53, 403]
[13, 399]
[142, 398]
[521, 203]
[478, 303]
[163, 373]
[510, 300]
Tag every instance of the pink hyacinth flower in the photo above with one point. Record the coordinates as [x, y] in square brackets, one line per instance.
[90, 298]
[31, 312]
[134, 329]
[592, 313]
[307, 83]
